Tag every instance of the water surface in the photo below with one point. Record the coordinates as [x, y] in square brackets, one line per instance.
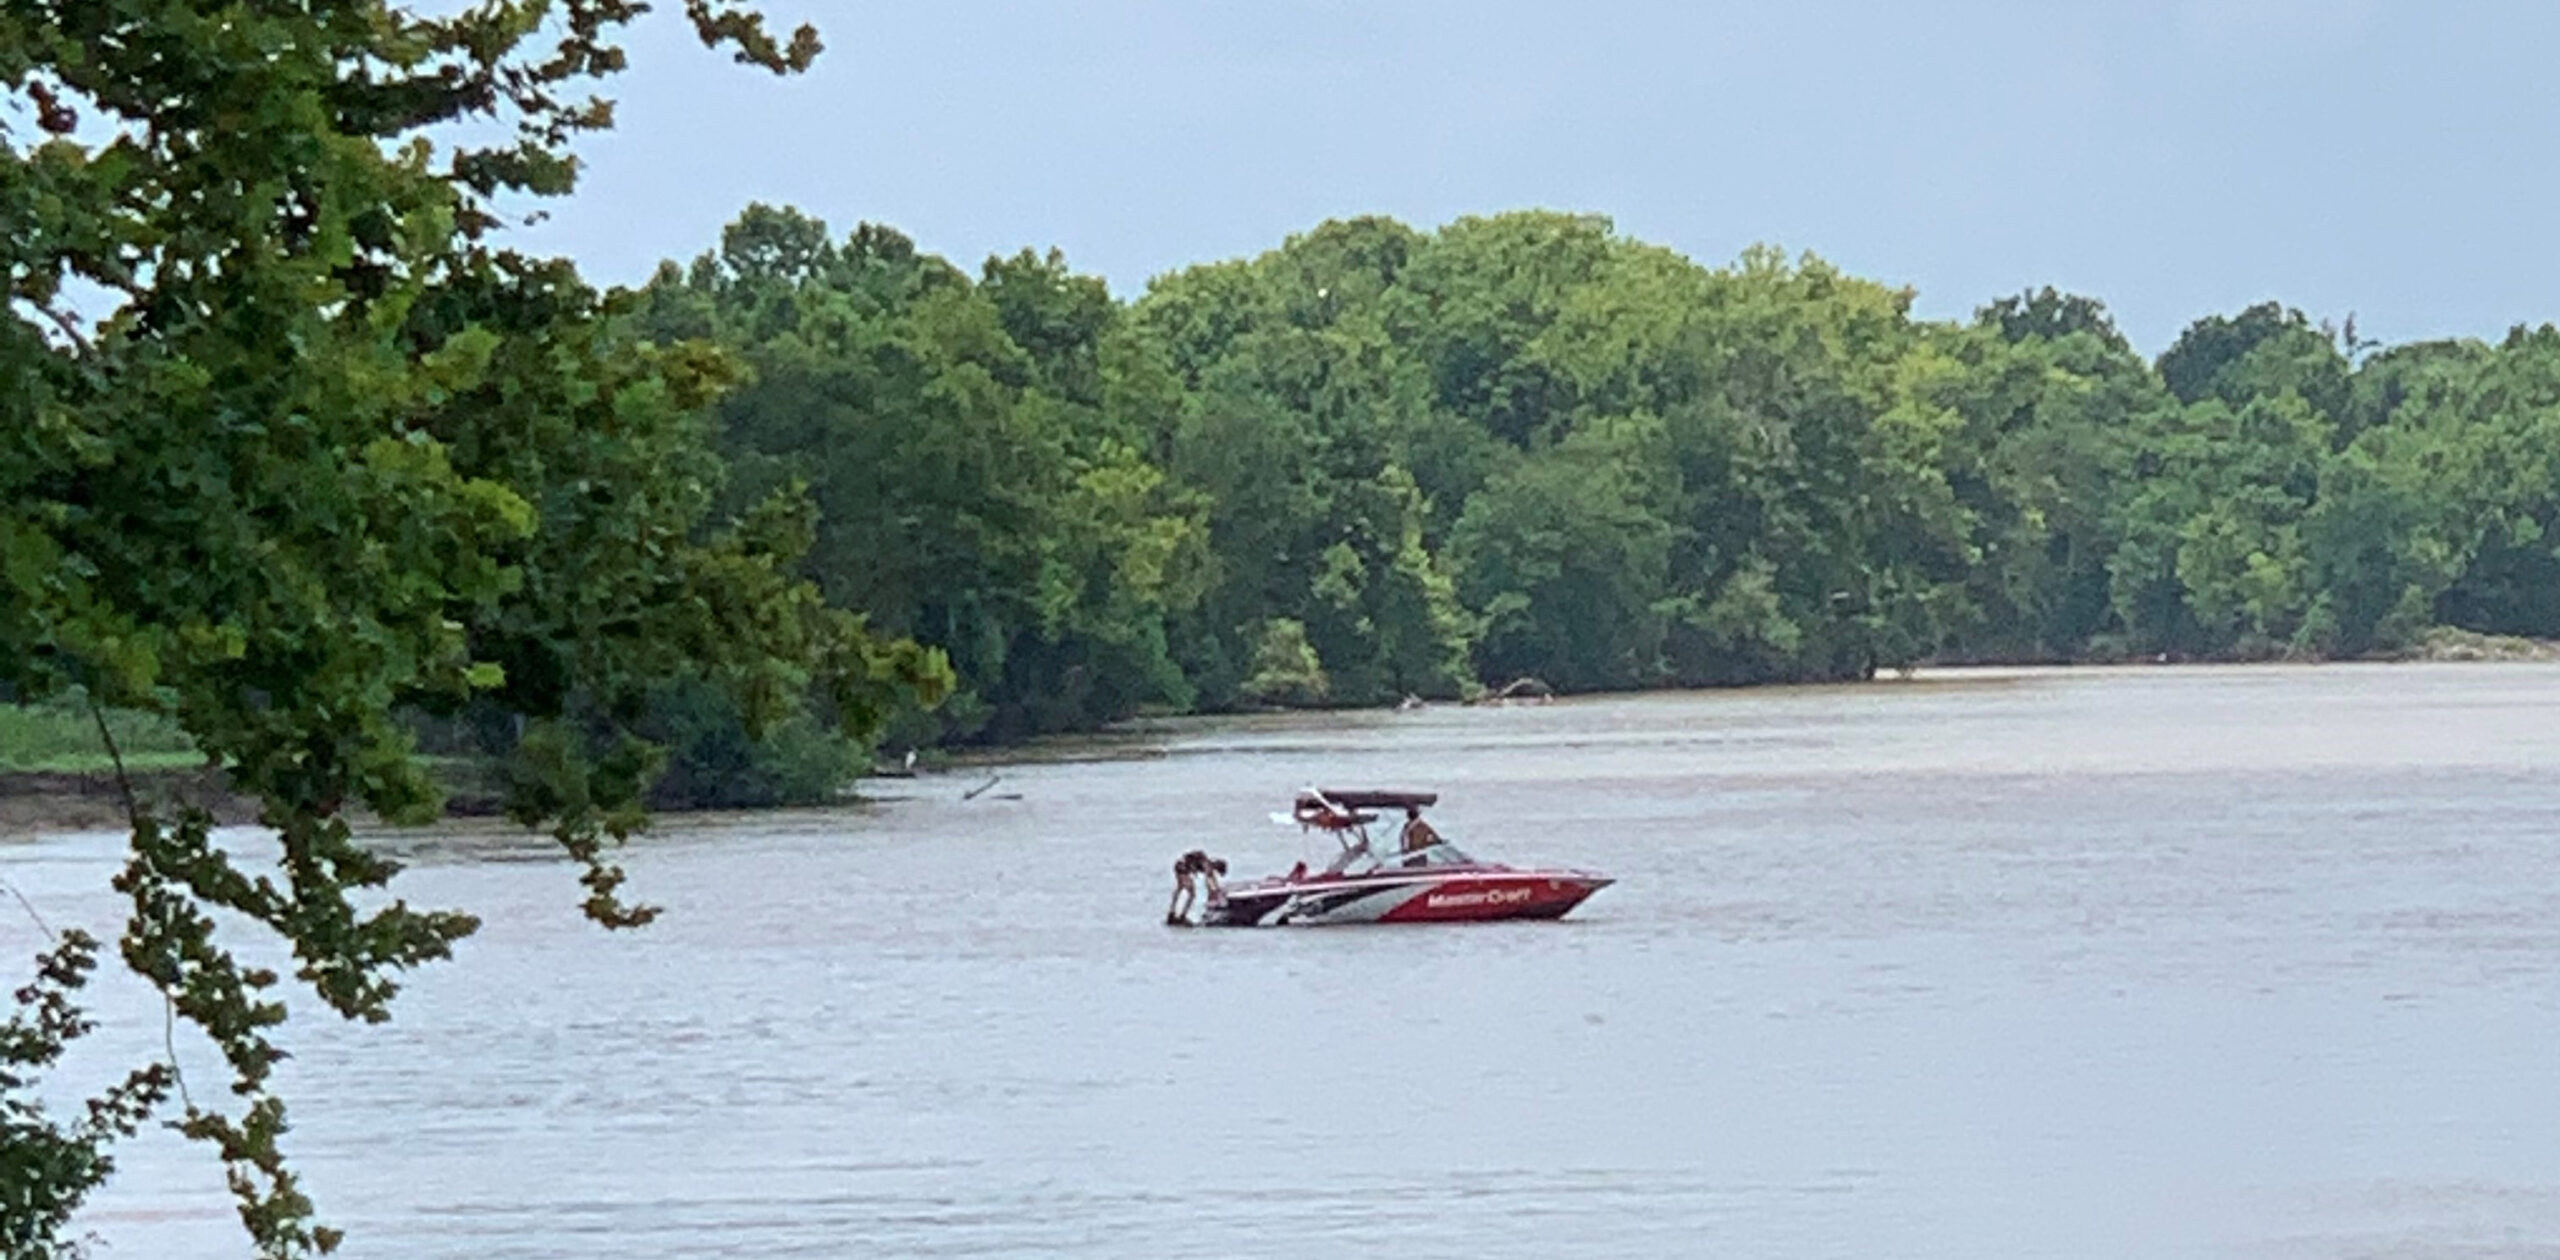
[2220, 962]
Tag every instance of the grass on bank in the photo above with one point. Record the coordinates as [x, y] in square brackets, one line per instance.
[62, 738]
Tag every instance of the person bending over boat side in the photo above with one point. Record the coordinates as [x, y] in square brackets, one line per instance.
[1179, 909]
[1206, 869]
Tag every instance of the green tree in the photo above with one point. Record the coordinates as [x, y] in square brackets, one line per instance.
[314, 452]
[2048, 314]
[1303, 428]
[1567, 559]
[1284, 667]
[978, 454]
[1058, 318]
[2383, 541]
[2052, 400]
[2266, 349]
[1422, 630]
[1795, 467]
[2213, 562]
[1472, 300]
[2485, 427]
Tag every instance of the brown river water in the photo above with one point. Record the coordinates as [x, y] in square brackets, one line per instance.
[2257, 962]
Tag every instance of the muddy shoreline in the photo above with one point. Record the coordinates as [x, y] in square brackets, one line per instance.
[54, 802]
[39, 802]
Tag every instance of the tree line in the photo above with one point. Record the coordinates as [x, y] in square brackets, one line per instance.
[1378, 462]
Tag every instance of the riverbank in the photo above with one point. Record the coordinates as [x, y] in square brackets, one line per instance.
[47, 802]
[2445, 643]
[37, 802]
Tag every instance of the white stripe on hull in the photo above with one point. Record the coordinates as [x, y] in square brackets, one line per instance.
[1374, 898]
[1368, 908]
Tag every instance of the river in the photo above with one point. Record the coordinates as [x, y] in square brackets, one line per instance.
[2257, 962]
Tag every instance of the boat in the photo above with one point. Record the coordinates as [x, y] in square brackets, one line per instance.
[1424, 878]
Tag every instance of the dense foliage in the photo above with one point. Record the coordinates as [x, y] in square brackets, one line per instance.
[292, 454]
[1379, 462]
[977, 453]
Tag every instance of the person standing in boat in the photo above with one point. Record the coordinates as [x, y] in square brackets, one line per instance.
[1418, 835]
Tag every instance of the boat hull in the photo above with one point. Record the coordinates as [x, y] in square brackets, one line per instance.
[1467, 896]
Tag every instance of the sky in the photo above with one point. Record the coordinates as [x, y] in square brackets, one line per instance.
[2398, 160]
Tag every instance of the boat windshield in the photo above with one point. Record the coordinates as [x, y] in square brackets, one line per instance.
[1440, 853]
[1360, 859]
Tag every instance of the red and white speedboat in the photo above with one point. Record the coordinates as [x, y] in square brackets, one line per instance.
[1421, 879]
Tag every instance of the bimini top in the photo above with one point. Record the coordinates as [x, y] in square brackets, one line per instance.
[1317, 798]
[1344, 810]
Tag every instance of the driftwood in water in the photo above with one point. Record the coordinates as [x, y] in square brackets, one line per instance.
[1519, 690]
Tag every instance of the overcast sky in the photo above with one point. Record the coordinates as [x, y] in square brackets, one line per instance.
[2397, 160]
